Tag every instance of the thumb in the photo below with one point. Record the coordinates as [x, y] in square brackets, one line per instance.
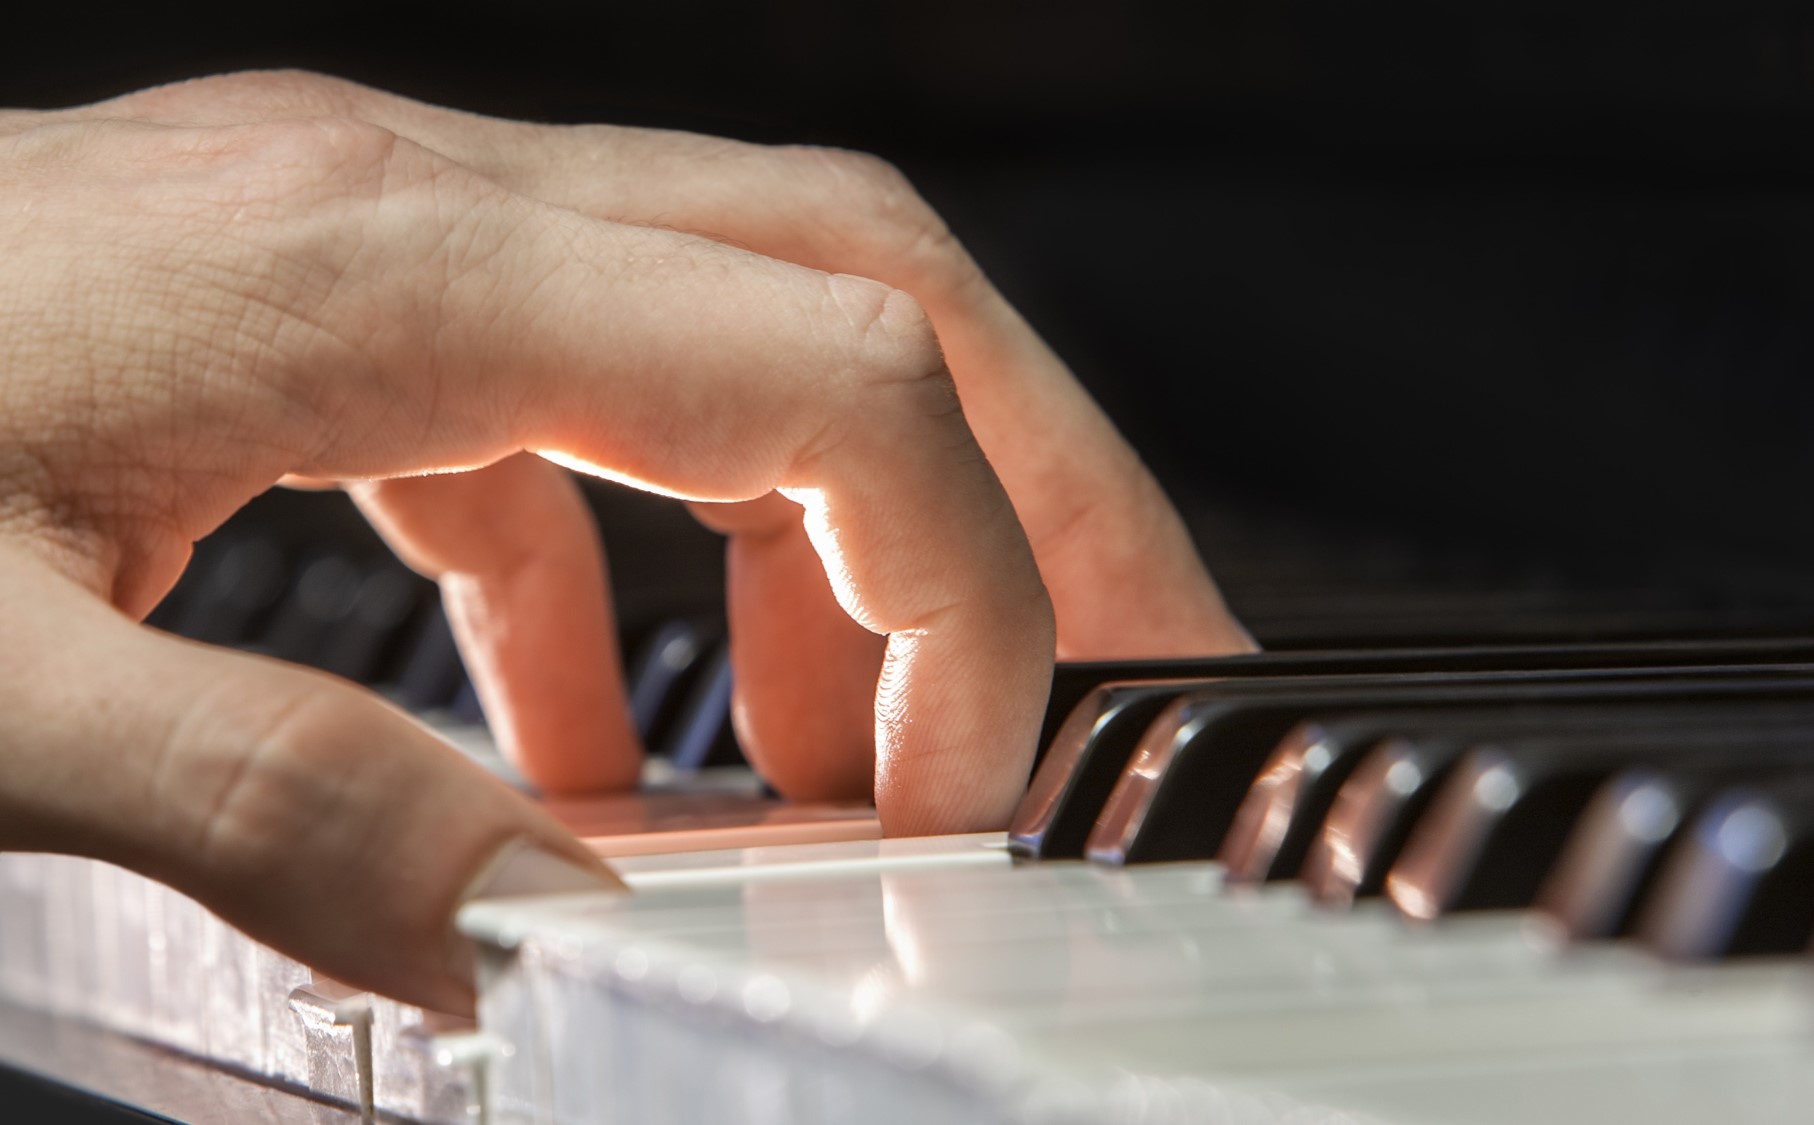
[306, 812]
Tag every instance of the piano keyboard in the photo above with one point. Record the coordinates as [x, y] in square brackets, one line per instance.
[1563, 880]
[1417, 871]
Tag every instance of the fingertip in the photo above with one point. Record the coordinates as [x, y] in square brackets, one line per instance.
[523, 867]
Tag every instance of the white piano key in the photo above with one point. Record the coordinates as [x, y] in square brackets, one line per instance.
[1154, 973]
[1747, 1083]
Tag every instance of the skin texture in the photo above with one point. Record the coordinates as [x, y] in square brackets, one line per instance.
[209, 288]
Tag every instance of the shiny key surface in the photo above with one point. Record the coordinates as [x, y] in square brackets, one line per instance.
[1373, 814]
[1612, 857]
[988, 987]
[1288, 802]
[1743, 880]
[1099, 710]
[1504, 814]
[1181, 790]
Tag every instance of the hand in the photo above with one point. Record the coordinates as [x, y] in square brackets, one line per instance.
[212, 287]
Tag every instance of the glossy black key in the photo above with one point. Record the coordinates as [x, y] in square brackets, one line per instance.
[1180, 790]
[431, 671]
[1285, 807]
[1613, 856]
[319, 602]
[237, 584]
[664, 672]
[1074, 680]
[701, 735]
[1742, 882]
[1080, 767]
[386, 599]
[1093, 726]
[1284, 810]
[1372, 817]
[1502, 817]
[466, 706]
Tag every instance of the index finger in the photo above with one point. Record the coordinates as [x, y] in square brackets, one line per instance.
[391, 313]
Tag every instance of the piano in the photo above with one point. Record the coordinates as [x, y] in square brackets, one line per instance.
[1564, 875]
[1473, 346]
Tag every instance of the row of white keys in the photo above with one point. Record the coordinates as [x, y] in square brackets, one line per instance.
[1156, 979]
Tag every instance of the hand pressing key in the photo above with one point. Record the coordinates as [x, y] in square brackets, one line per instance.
[212, 287]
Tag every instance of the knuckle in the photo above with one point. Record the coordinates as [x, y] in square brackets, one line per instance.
[319, 152]
[878, 216]
[291, 92]
[883, 319]
[891, 337]
[877, 180]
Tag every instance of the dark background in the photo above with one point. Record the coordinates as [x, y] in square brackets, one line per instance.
[1528, 282]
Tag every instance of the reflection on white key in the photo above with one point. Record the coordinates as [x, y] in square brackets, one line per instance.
[1148, 987]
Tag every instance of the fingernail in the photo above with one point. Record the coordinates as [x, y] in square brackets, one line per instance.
[522, 868]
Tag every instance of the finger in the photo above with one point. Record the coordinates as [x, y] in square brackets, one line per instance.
[1121, 568]
[517, 556]
[306, 812]
[805, 673]
[407, 316]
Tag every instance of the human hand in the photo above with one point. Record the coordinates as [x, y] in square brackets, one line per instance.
[212, 287]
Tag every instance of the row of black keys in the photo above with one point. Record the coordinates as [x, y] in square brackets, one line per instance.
[1658, 790]
[372, 621]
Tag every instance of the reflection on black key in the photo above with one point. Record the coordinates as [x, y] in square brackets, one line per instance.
[701, 734]
[664, 671]
[1287, 803]
[1080, 767]
[1611, 859]
[1285, 808]
[1099, 710]
[1743, 880]
[1613, 853]
[236, 586]
[1373, 815]
[1180, 791]
[1502, 818]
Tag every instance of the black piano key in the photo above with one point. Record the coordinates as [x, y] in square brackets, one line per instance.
[1181, 789]
[319, 601]
[1081, 765]
[1742, 883]
[238, 584]
[466, 706]
[386, 599]
[1285, 808]
[1499, 823]
[665, 670]
[169, 610]
[1073, 680]
[431, 672]
[1612, 858]
[1093, 725]
[1372, 817]
[701, 734]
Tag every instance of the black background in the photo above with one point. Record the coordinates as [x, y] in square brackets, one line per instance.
[1531, 276]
